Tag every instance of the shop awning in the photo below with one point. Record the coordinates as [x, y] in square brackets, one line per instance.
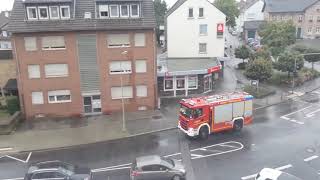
[188, 66]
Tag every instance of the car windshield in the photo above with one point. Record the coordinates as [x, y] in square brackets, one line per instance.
[168, 160]
[186, 112]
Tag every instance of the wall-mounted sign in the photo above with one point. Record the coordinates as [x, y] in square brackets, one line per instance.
[214, 69]
[220, 30]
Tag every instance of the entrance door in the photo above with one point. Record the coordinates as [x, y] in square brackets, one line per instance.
[92, 104]
[299, 31]
[207, 83]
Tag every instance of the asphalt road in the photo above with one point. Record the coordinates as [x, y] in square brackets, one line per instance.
[284, 136]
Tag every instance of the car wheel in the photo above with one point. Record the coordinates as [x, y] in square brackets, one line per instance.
[204, 132]
[237, 125]
[176, 177]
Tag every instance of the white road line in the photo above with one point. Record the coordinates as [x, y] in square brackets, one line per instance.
[17, 159]
[249, 177]
[229, 146]
[196, 155]
[312, 113]
[6, 149]
[106, 170]
[14, 178]
[310, 158]
[283, 167]
[297, 111]
[285, 118]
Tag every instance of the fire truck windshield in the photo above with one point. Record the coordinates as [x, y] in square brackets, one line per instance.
[186, 112]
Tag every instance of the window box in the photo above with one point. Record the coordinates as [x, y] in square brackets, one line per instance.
[60, 96]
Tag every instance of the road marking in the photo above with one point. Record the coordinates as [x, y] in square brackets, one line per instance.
[14, 178]
[297, 111]
[229, 146]
[284, 167]
[17, 159]
[6, 149]
[285, 118]
[249, 177]
[107, 169]
[310, 158]
[197, 155]
[310, 114]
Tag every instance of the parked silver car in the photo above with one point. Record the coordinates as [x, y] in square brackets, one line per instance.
[157, 168]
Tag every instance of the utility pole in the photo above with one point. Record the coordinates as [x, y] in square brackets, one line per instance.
[124, 128]
[294, 71]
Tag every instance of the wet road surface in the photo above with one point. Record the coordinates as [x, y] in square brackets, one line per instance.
[273, 140]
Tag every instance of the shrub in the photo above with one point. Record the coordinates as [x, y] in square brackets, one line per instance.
[259, 69]
[13, 104]
[242, 65]
[261, 92]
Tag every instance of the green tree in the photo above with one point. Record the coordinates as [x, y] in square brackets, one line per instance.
[242, 52]
[160, 7]
[289, 62]
[263, 53]
[277, 36]
[259, 69]
[230, 9]
[312, 55]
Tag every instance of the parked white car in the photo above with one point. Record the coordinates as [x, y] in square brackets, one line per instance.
[273, 174]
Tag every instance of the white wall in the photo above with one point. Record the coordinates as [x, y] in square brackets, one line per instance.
[254, 12]
[183, 33]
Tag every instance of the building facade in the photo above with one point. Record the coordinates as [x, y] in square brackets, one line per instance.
[83, 57]
[304, 14]
[195, 41]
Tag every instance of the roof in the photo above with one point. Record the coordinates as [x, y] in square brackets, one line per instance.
[18, 24]
[148, 160]
[252, 24]
[273, 6]
[183, 66]
[244, 5]
[3, 20]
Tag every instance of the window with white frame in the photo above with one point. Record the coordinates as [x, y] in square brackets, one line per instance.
[32, 13]
[310, 18]
[65, 12]
[53, 42]
[118, 40]
[193, 82]
[37, 97]
[114, 11]
[142, 91]
[34, 71]
[141, 66]
[54, 12]
[318, 18]
[203, 28]
[190, 13]
[124, 11]
[30, 43]
[120, 67]
[43, 12]
[202, 48]
[168, 83]
[134, 10]
[201, 12]
[59, 96]
[309, 30]
[4, 34]
[318, 30]
[180, 82]
[103, 11]
[124, 92]
[300, 18]
[139, 39]
[56, 70]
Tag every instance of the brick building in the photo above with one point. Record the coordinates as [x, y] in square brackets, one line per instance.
[81, 57]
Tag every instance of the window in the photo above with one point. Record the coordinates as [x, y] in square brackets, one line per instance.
[318, 30]
[318, 19]
[310, 18]
[104, 11]
[300, 18]
[190, 15]
[203, 28]
[65, 12]
[310, 30]
[139, 39]
[120, 67]
[281, 18]
[141, 66]
[202, 47]
[4, 34]
[274, 17]
[154, 168]
[32, 13]
[142, 91]
[180, 80]
[53, 42]
[37, 98]
[56, 70]
[118, 40]
[60, 96]
[114, 11]
[30, 43]
[201, 13]
[134, 9]
[43, 12]
[124, 10]
[119, 93]
[197, 113]
[34, 71]
[168, 83]
[54, 12]
[193, 82]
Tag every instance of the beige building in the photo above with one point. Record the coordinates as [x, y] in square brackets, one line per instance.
[304, 13]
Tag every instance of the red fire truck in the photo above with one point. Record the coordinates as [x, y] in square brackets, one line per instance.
[204, 115]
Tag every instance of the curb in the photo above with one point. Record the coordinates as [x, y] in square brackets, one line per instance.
[80, 145]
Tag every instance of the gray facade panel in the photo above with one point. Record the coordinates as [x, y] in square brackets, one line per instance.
[89, 71]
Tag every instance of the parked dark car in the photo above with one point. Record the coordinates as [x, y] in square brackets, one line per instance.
[57, 170]
[157, 168]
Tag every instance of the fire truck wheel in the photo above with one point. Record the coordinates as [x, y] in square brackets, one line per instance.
[204, 132]
[176, 177]
[237, 125]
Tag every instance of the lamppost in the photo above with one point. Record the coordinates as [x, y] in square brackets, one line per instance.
[124, 128]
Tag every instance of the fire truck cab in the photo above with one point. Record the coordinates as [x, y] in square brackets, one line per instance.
[205, 115]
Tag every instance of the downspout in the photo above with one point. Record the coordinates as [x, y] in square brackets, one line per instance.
[74, 9]
[157, 100]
